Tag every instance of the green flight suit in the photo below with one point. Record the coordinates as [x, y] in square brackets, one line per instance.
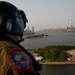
[5, 67]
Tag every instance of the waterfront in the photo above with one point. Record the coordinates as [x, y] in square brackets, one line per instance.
[58, 63]
[54, 38]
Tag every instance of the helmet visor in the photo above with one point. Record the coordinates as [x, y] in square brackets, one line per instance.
[19, 26]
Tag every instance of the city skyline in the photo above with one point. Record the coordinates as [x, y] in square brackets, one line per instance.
[70, 26]
[47, 13]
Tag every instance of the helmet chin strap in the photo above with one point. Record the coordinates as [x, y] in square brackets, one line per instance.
[22, 39]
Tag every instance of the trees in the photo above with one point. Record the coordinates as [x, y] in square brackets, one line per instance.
[54, 53]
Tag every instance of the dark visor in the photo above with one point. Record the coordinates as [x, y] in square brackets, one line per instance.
[19, 26]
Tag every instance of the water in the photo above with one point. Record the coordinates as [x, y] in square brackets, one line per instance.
[54, 38]
[58, 70]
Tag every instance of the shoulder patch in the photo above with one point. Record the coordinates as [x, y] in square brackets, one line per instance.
[19, 59]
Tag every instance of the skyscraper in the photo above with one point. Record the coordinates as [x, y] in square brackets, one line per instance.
[32, 29]
[70, 23]
[27, 29]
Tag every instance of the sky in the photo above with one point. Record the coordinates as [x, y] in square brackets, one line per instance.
[47, 14]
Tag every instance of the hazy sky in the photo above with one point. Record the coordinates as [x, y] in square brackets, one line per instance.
[47, 13]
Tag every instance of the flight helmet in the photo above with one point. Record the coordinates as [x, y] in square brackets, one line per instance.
[12, 20]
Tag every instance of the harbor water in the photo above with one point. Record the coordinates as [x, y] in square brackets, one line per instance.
[53, 38]
[58, 70]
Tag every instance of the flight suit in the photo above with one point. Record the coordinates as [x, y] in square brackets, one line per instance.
[5, 67]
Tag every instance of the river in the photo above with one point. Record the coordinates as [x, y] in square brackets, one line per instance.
[54, 38]
[58, 70]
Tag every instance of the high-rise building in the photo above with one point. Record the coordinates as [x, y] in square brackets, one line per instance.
[71, 24]
[27, 29]
[32, 29]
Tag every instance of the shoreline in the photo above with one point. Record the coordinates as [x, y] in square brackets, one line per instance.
[58, 63]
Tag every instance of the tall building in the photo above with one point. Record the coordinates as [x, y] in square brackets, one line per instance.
[32, 29]
[27, 29]
[71, 24]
